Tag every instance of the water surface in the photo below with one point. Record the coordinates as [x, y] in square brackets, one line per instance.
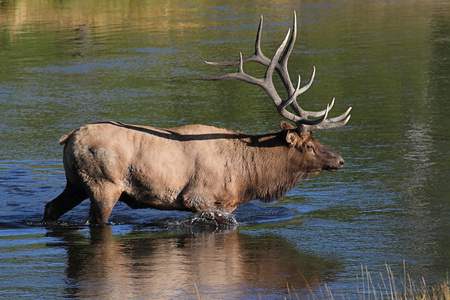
[70, 63]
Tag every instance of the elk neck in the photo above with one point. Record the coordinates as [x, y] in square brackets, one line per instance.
[269, 167]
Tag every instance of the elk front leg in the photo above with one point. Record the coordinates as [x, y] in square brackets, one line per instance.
[67, 200]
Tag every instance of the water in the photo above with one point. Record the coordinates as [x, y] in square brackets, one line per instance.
[71, 63]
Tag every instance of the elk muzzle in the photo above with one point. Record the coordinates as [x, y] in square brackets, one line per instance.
[334, 163]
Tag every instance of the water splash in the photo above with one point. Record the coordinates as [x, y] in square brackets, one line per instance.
[213, 219]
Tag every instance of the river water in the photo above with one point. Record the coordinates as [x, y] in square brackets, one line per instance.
[65, 64]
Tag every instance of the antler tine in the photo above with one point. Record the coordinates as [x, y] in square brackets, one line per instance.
[291, 44]
[258, 56]
[324, 123]
[341, 117]
[240, 74]
[283, 71]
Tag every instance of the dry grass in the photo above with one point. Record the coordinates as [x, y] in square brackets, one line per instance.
[389, 288]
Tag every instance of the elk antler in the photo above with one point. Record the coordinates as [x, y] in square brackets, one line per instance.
[279, 63]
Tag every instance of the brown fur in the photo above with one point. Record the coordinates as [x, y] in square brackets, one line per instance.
[195, 167]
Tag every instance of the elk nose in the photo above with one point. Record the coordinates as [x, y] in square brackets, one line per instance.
[341, 161]
[335, 164]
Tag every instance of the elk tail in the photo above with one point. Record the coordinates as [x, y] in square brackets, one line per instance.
[65, 137]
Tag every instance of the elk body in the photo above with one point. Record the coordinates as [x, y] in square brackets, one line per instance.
[197, 168]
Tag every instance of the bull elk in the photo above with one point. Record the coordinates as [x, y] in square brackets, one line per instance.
[198, 168]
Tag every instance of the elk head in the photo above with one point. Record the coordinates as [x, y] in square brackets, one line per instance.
[301, 138]
[315, 156]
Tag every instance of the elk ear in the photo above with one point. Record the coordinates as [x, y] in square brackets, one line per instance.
[291, 137]
[286, 126]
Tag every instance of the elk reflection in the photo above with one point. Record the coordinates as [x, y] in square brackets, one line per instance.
[175, 264]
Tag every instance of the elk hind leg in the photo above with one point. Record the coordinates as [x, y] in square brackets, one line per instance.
[67, 200]
[103, 200]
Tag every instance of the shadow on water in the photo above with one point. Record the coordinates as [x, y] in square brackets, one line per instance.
[122, 262]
